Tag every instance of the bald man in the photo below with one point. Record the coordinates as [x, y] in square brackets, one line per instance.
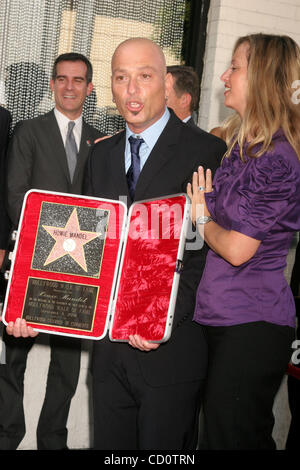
[145, 395]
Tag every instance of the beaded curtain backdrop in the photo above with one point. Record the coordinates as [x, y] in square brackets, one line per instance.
[33, 33]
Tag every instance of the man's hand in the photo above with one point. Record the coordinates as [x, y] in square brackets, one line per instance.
[106, 137]
[140, 343]
[102, 138]
[20, 329]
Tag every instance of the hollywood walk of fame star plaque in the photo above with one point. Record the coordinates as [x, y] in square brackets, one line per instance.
[64, 245]
[82, 266]
[67, 241]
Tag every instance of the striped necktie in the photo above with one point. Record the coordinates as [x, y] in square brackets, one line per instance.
[134, 169]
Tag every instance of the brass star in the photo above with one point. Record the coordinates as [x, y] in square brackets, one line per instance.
[69, 240]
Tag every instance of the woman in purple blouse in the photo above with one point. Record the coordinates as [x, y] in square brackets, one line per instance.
[250, 214]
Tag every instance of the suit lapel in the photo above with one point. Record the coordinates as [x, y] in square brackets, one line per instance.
[85, 144]
[59, 151]
[116, 162]
[162, 152]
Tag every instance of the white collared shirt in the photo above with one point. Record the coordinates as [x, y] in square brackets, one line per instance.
[150, 136]
[63, 122]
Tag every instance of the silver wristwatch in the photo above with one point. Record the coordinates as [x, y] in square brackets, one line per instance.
[203, 219]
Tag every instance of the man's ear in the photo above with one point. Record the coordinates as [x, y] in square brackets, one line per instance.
[169, 83]
[51, 84]
[90, 88]
[185, 100]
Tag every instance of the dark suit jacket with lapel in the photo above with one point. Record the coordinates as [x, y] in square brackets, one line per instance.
[178, 152]
[5, 120]
[37, 160]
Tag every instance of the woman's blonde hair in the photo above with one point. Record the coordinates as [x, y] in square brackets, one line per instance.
[273, 68]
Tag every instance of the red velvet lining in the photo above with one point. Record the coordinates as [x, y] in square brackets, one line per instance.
[148, 270]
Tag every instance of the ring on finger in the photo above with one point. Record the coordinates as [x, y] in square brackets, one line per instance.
[201, 188]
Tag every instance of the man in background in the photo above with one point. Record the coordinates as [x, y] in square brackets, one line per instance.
[47, 153]
[183, 93]
[183, 96]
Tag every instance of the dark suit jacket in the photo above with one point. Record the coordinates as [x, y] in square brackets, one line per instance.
[37, 160]
[5, 120]
[178, 152]
[193, 125]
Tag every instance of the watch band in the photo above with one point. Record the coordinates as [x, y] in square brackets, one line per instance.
[203, 219]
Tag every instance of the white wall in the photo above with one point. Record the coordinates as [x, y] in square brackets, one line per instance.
[228, 20]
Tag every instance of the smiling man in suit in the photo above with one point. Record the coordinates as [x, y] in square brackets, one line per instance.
[37, 156]
[47, 153]
[147, 396]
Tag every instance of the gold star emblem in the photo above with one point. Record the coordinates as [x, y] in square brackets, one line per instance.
[69, 240]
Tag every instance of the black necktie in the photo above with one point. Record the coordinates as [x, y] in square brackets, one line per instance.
[134, 169]
[71, 149]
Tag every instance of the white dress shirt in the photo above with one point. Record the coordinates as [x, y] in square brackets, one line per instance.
[150, 137]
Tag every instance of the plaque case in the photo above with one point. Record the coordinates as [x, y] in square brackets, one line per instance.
[83, 266]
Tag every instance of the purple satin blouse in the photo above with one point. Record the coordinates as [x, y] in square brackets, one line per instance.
[259, 198]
